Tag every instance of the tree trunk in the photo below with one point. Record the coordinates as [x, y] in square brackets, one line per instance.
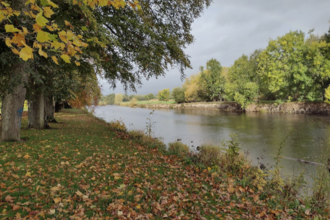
[36, 112]
[13, 104]
[50, 109]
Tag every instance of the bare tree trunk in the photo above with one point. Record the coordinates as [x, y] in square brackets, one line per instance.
[36, 107]
[50, 109]
[13, 104]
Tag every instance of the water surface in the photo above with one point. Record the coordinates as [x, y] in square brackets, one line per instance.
[259, 134]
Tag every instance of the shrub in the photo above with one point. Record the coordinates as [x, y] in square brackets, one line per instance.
[178, 148]
[119, 99]
[145, 140]
[209, 155]
[133, 102]
[164, 95]
[178, 94]
[118, 125]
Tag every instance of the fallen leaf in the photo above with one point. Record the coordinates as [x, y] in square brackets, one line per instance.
[9, 198]
[27, 156]
[79, 193]
[16, 207]
[57, 200]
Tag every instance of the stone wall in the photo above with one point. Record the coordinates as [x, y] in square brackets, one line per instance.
[292, 108]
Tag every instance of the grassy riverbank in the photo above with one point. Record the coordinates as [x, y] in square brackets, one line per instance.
[86, 168]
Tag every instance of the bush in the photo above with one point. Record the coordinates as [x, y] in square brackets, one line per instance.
[133, 102]
[164, 95]
[119, 99]
[209, 155]
[118, 126]
[178, 148]
[178, 94]
[145, 140]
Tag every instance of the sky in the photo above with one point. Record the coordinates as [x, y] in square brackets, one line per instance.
[228, 29]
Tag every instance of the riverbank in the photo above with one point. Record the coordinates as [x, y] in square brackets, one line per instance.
[86, 168]
[290, 107]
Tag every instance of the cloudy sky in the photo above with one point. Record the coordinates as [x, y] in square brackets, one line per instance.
[228, 29]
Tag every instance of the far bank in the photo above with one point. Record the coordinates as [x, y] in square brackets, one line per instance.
[290, 107]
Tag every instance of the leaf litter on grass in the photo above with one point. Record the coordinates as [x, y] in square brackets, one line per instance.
[83, 170]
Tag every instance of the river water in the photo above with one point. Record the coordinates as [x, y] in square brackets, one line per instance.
[259, 134]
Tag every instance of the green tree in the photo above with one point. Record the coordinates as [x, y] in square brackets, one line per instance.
[178, 94]
[164, 95]
[242, 85]
[290, 67]
[150, 96]
[212, 81]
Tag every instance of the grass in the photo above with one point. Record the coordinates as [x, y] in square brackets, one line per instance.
[86, 168]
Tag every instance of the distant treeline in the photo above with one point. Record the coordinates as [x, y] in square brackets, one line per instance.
[113, 98]
[291, 68]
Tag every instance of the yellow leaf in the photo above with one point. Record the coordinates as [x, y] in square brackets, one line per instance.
[26, 53]
[28, 174]
[57, 45]
[52, 4]
[67, 23]
[41, 20]
[36, 27]
[48, 12]
[66, 58]
[55, 59]
[77, 63]
[15, 176]
[27, 156]
[15, 51]
[10, 28]
[138, 206]
[2, 16]
[43, 36]
[50, 28]
[18, 39]
[103, 3]
[42, 53]
[25, 31]
[8, 42]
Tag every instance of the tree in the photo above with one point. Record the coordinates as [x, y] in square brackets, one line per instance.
[164, 95]
[178, 94]
[119, 98]
[242, 85]
[191, 88]
[212, 81]
[150, 96]
[289, 67]
[122, 40]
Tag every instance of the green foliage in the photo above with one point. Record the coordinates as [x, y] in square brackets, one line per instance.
[327, 95]
[178, 148]
[178, 94]
[108, 99]
[209, 155]
[289, 66]
[212, 82]
[164, 95]
[150, 96]
[242, 86]
[118, 98]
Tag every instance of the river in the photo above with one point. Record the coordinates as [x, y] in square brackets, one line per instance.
[259, 134]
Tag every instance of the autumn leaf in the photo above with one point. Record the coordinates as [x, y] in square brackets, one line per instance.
[57, 200]
[9, 198]
[16, 207]
[66, 58]
[41, 20]
[43, 36]
[42, 53]
[10, 28]
[26, 53]
[48, 12]
[27, 156]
